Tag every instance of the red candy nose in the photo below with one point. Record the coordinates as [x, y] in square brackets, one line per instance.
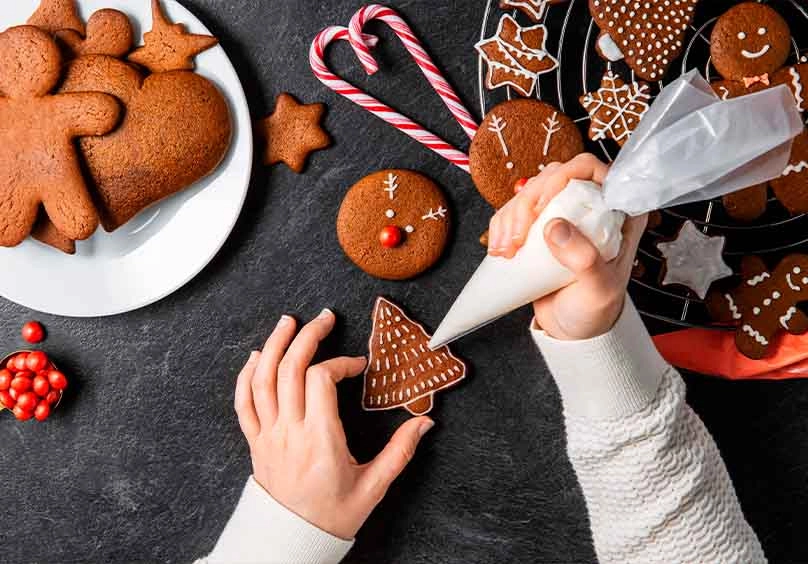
[520, 185]
[390, 237]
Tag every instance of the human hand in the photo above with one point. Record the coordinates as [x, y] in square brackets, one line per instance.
[591, 305]
[288, 412]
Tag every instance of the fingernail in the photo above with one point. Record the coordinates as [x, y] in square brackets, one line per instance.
[517, 237]
[284, 321]
[424, 428]
[560, 234]
[325, 314]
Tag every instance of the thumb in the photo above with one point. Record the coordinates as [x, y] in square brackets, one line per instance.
[572, 248]
[392, 460]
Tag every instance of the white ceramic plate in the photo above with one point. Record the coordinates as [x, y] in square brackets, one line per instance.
[166, 245]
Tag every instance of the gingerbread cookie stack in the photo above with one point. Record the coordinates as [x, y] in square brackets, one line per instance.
[116, 109]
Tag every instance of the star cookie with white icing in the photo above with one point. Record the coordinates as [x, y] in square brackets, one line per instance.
[764, 304]
[694, 260]
[616, 108]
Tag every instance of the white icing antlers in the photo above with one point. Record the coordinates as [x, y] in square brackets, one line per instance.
[437, 215]
[391, 185]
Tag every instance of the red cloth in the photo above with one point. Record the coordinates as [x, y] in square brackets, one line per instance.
[713, 352]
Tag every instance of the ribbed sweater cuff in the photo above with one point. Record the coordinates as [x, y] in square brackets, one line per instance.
[262, 530]
[610, 376]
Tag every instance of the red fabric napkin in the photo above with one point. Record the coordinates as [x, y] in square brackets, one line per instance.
[713, 352]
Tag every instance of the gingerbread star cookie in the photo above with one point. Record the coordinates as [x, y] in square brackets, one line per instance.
[394, 224]
[292, 132]
[648, 34]
[764, 304]
[694, 260]
[55, 15]
[402, 371]
[516, 140]
[516, 56]
[534, 9]
[109, 32]
[616, 108]
[169, 46]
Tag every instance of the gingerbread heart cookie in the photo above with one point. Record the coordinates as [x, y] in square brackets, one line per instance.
[38, 160]
[764, 304]
[394, 224]
[516, 140]
[176, 131]
[649, 35]
[402, 371]
[109, 32]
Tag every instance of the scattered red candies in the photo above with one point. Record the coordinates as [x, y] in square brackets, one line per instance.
[390, 237]
[30, 385]
[33, 332]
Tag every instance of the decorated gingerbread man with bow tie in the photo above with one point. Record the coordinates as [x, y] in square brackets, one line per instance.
[749, 47]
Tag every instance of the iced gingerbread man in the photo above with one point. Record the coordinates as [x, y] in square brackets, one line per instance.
[38, 160]
[749, 46]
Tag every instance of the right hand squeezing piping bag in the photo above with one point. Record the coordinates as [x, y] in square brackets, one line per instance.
[689, 146]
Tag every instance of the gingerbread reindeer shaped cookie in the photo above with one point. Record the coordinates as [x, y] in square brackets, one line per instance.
[764, 304]
[749, 47]
[38, 160]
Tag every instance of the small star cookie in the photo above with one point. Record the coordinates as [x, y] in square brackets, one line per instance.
[694, 260]
[616, 108]
[169, 46]
[292, 132]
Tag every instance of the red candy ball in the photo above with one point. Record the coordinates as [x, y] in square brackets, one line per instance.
[18, 362]
[33, 332]
[7, 400]
[42, 411]
[390, 237]
[22, 414]
[41, 386]
[5, 379]
[21, 383]
[57, 380]
[36, 361]
[27, 401]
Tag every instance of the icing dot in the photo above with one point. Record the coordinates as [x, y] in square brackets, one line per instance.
[509, 165]
[409, 229]
[762, 31]
[796, 270]
[398, 318]
[767, 302]
[756, 310]
[384, 351]
[805, 279]
[741, 36]
[390, 213]
[776, 295]
[395, 346]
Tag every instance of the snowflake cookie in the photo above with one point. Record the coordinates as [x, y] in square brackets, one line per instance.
[616, 108]
[694, 260]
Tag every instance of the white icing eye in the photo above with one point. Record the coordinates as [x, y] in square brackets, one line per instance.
[390, 214]
[741, 35]
[409, 229]
[762, 31]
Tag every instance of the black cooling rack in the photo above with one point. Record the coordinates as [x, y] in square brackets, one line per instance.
[571, 37]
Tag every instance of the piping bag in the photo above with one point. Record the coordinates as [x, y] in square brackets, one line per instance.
[690, 146]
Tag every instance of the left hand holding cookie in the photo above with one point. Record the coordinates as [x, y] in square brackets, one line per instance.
[591, 305]
[288, 412]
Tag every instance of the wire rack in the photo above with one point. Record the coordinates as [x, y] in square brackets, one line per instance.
[572, 35]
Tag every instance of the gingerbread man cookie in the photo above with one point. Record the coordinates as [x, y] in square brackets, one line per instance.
[109, 32]
[649, 34]
[749, 47]
[38, 160]
[394, 224]
[402, 371]
[516, 140]
[764, 304]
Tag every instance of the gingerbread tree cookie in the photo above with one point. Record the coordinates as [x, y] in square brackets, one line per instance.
[764, 304]
[649, 35]
[534, 9]
[516, 56]
[169, 46]
[616, 108]
[402, 371]
[55, 15]
[292, 132]
[38, 160]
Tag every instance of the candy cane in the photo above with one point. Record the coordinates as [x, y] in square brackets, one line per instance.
[361, 44]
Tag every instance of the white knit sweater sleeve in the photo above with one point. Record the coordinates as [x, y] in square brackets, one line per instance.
[262, 531]
[654, 483]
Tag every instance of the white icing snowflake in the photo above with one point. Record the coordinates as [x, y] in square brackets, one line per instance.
[694, 259]
[616, 108]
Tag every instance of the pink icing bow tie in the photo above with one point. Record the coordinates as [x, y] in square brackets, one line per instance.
[750, 80]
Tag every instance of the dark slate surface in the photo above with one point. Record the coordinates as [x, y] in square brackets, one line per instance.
[144, 462]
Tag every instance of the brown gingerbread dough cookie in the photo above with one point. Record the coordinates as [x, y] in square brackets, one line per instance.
[764, 304]
[394, 224]
[55, 15]
[616, 108]
[168, 46]
[792, 187]
[109, 32]
[292, 132]
[38, 161]
[176, 130]
[516, 140]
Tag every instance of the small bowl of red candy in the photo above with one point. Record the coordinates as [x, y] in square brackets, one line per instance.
[30, 385]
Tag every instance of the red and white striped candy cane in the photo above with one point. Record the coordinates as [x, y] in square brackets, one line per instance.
[378, 108]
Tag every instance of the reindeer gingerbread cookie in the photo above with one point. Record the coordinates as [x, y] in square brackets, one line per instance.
[764, 304]
[749, 47]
